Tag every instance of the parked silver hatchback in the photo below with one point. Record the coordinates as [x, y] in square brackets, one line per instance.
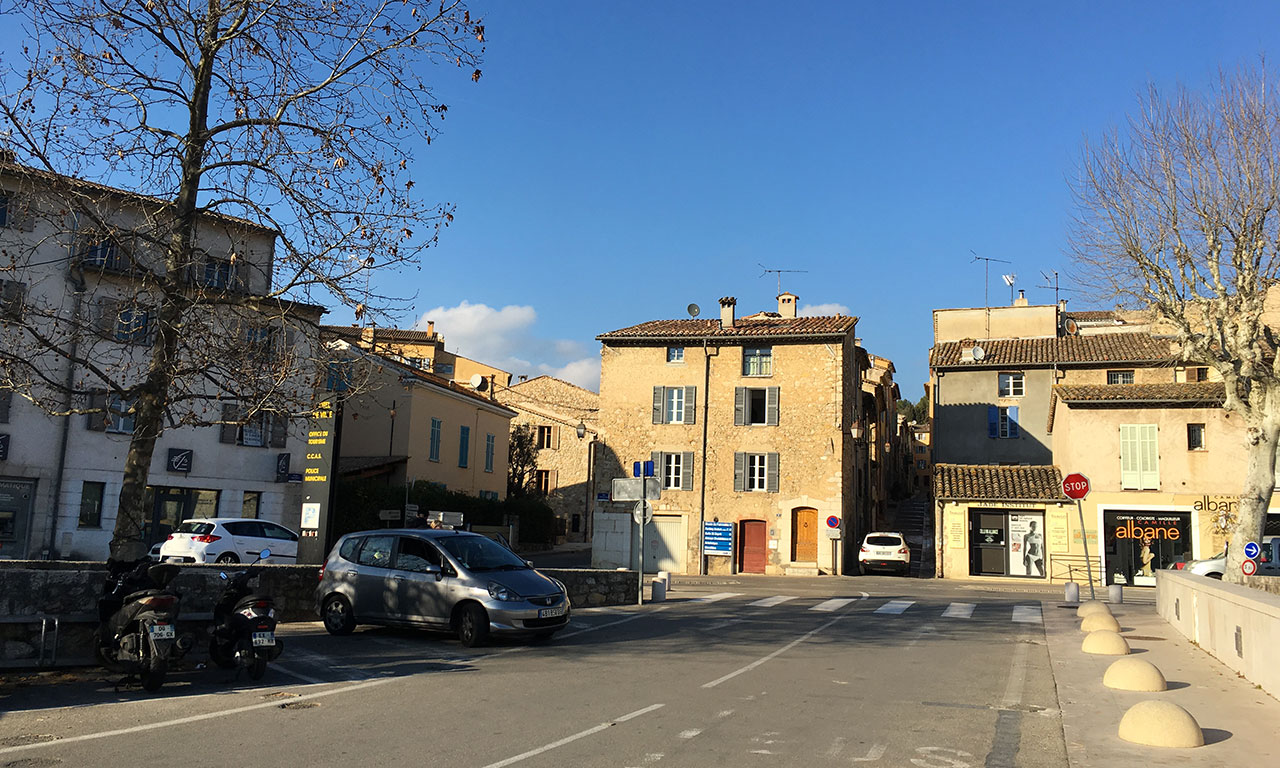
[440, 579]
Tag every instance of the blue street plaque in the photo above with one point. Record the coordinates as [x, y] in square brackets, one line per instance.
[1251, 550]
[717, 538]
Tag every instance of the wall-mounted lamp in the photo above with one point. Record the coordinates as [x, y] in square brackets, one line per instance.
[581, 429]
[855, 430]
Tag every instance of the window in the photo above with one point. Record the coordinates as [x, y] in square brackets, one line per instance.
[4, 209]
[464, 445]
[755, 405]
[1002, 422]
[1011, 385]
[259, 430]
[754, 472]
[548, 437]
[443, 369]
[490, 441]
[12, 294]
[6, 403]
[119, 419]
[91, 504]
[1119, 377]
[436, 427]
[376, 551]
[252, 505]
[543, 483]
[1195, 437]
[260, 341]
[103, 253]
[757, 361]
[675, 405]
[339, 376]
[415, 555]
[490, 495]
[1198, 374]
[220, 274]
[133, 325]
[254, 431]
[1139, 457]
[922, 464]
[675, 354]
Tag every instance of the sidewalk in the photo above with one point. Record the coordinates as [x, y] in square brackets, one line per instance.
[1241, 723]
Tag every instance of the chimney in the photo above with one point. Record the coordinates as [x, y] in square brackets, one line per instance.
[431, 327]
[1021, 301]
[366, 337]
[1062, 305]
[787, 304]
[726, 311]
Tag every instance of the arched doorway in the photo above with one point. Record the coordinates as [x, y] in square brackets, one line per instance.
[804, 535]
[753, 548]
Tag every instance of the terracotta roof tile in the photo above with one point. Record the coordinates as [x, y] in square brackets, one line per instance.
[746, 327]
[1099, 348]
[989, 481]
[347, 332]
[1092, 316]
[1207, 392]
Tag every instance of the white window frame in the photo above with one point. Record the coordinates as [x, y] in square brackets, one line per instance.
[756, 473]
[1114, 377]
[672, 471]
[673, 407]
[1003, 416]
[118, 421]
[1011, 384]
[675, 355]
[757, 361]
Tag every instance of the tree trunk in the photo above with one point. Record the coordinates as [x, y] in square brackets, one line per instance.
[1255, 498]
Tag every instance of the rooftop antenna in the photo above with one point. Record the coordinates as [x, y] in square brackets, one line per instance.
[986, 283]
[778, 272]
[1056, 288]
[1009, 280]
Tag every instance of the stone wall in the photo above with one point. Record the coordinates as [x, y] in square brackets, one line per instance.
[589, 587]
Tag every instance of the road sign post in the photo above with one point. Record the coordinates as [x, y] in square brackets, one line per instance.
[1076, 486]
[1249, 567]
[644, 471]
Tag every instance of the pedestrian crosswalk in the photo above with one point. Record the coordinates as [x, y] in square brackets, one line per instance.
[1016, 613]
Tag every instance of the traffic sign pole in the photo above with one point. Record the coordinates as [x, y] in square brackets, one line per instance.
[1076, 486]
[1084, 536]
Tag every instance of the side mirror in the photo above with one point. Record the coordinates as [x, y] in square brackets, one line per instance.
[529, 563]
[433, 569]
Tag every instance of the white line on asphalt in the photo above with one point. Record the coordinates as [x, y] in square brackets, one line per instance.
[1027, 614]
[959, 611]
[574, 737]
[923, 631]
[1017, 676]
[296, 675]
[689, 734]
[769, 602]
[834, 604]
[610, 624]
[194, 718]
[876, 752]
[895, 606]
[773, 655]
[724, 713]
[722, 624]
[717, 596]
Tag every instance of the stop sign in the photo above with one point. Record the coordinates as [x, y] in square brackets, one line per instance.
[1075, 485]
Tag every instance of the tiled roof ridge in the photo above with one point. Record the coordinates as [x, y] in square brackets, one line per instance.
[1126, 346]
[557, 380]
[744, 327]
[1039, 482]
[1173, 391]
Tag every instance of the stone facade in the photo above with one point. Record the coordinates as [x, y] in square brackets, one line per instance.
[553, 409]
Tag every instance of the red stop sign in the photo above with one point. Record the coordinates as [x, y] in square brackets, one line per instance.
[1075, 485]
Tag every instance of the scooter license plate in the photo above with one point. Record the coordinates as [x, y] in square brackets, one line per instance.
[547, 613]
[264, 638]
[161, 631]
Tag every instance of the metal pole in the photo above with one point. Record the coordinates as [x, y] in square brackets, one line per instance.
[644, 501]
[1084, 537]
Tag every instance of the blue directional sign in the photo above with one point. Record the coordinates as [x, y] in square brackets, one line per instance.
[717, 538]
[642, 469]
[1251, 550]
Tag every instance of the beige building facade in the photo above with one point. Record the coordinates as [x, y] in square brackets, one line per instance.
[424, 350]
[750, 424]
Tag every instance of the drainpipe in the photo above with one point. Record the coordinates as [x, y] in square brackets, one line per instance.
[77, 282]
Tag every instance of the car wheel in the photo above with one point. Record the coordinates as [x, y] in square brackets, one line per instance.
[1217, 576]
[227, 557]
[862, 569]
[473, 626]
[337, 615]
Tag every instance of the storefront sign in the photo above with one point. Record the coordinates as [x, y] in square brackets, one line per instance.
[1059, 533]
[1151, 528]
[955, 533]
[181, 460]
[1140, 543]
[1218, 505]
[1026, 545]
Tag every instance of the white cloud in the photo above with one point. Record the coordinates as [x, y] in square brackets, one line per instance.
[506, 338]
[823, 310]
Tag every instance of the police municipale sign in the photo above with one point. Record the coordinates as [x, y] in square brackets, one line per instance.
[1075, 486]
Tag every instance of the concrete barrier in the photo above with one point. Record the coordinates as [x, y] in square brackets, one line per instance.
[1130, 674]
[1160, 724]
[1237, 625]
[1089, 607]
[1095, 621]
[1104, 642]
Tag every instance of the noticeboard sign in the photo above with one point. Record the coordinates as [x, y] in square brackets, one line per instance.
[717, 538]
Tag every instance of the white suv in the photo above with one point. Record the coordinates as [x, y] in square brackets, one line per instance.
[229, 540]
[884, 550]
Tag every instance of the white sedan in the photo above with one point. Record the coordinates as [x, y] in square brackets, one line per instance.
[229, 540]
[884, 550]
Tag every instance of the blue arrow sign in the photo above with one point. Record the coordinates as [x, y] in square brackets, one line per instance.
[1251, 550]
[642, 469]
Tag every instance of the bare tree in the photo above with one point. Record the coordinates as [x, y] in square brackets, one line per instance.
[273, 142]
[522, 460]
[1179, 213]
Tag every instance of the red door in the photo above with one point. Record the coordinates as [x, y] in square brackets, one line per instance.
[754, 550]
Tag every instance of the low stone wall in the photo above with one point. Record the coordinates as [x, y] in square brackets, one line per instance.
[1238, 625]
[589, 587]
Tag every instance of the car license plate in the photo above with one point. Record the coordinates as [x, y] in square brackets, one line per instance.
[884, 552]
[264, 638]
[547, 613]
[161, 631]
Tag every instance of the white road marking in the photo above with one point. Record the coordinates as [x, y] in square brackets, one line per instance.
[895, 606]
[1017, 677]
[769, 602]
[296, 675]
[1027, 614]
[565, 635]
[716, 597]
[959, 611]
[834, 604]
[574, 737]
[919, 635]
[194, 718]
[722, 624]
[875, 753]
[724, 713]
[836, 747]
[689, 734]
[773, 655]
[653, 757]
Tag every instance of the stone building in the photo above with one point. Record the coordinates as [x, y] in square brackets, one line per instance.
[564, 421]
[424, 350]
[751, 424]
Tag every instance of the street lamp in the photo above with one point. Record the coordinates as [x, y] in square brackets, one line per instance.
[581, 429]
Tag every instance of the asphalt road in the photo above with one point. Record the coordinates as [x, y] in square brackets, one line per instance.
[875, 671]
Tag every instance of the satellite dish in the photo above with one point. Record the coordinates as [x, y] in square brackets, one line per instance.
[694, 310]
[1071, 326]
[478, 382]
[979, 353]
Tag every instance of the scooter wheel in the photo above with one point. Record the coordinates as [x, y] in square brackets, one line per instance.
[219, 655]
[258, 667]
[154, 675]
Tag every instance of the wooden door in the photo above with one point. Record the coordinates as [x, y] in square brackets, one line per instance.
[754, 550]
[804, 535]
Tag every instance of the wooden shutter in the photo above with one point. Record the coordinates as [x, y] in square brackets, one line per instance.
[690, 405]
[771, 473]
[553, 480]
[1148, 457]
[6, 401]
[12, 294]
[555, 437]
[658, 469]
[97, 422]
[771, 406]
[658, 394]
[1130, 476]
[227, 432]
[686, 471]
[739, 406]
[993, 421]
[279, 430]
[1013, 421]
[739, 471]
[108, 317]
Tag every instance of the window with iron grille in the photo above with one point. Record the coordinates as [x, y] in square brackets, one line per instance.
[1119, 377]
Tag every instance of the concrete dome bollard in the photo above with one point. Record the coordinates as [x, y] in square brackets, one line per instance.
[1160, 724]
[1095, 621]
[1104, 642]
[1130, 674]
[1092, 606]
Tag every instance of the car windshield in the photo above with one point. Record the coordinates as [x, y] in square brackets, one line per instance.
[883, 541]
[477, 553]
[199, 529]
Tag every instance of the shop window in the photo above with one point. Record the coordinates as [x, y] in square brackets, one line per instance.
[251, 507]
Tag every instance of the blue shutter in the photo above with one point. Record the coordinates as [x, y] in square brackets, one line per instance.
[1013, 421]
[993, 421]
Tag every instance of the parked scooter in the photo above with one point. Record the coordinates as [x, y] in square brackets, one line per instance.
[137, 621]
[244, 626]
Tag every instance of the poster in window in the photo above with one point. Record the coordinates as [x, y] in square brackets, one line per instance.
[1026, 545]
